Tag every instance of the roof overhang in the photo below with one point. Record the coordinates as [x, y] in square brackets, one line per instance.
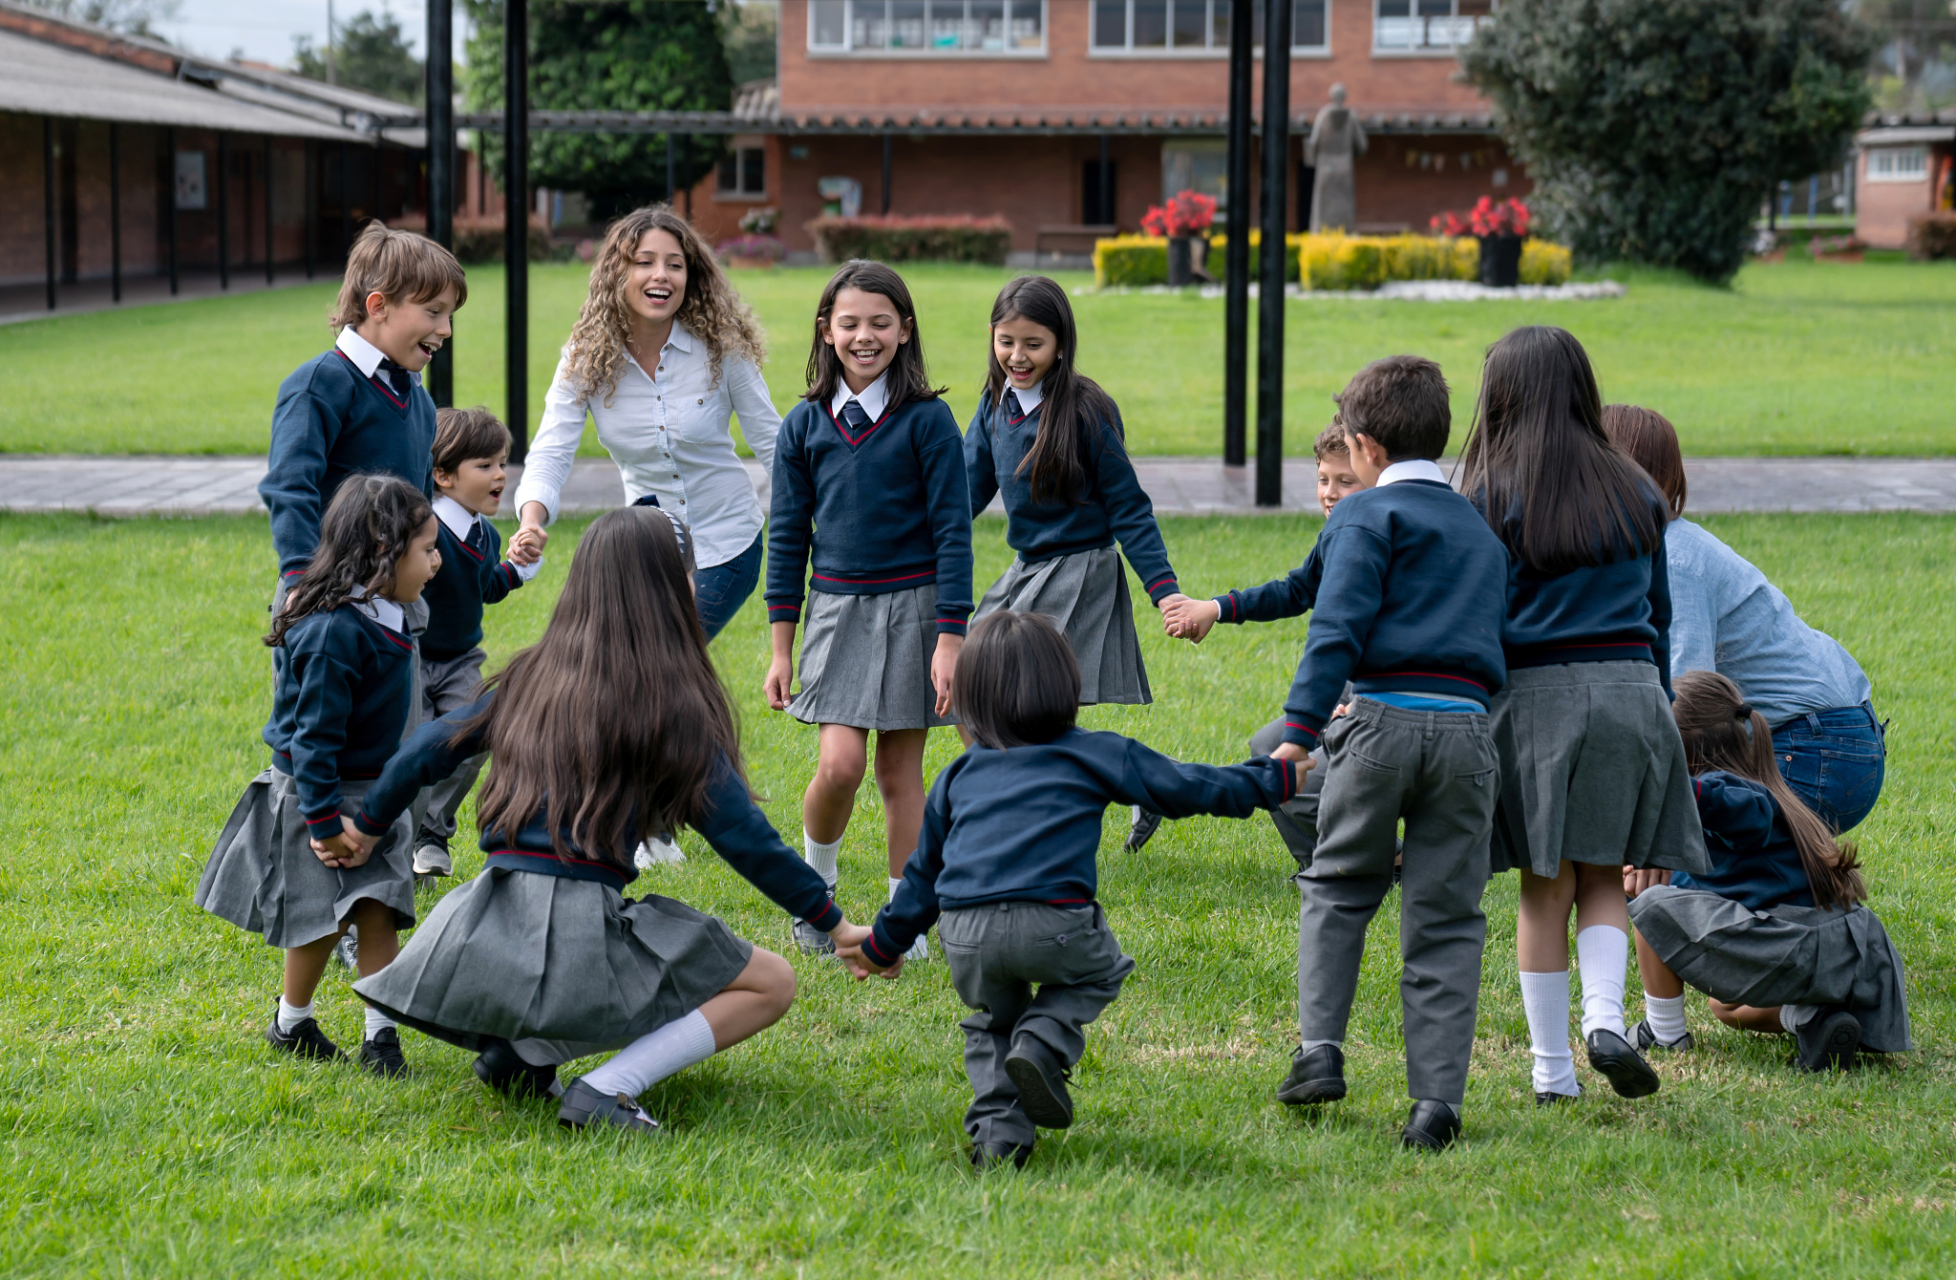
[1903, 135]
[934, 124]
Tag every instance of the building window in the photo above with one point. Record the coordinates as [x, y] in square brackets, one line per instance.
[1169, 27]
[1898, 164]
[927, 28]
[743, 173]
[1196, 164]
[1427, 26]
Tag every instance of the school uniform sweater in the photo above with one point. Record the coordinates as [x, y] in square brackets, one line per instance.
[471, 576]
[1410, 589]
[1754, 860]
[1111, 507]
[732, 824]
[339, 702]
[331, 421]
[1023, 824]
[1290, 596]
[884, 510]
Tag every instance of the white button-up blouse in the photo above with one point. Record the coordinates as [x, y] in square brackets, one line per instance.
[668, 431]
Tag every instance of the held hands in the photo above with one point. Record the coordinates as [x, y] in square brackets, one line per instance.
[526, 548]
[943, 665]
[1296, 755]
[1187, 619]
[1638, 879]
[849, 939]
[350, 848]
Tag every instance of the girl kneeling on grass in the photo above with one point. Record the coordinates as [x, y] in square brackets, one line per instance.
[1775, 932]
[288, 864]
[613, 724]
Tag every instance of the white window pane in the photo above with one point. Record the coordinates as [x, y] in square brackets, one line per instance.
[1110, 24]
[828, 24]
[870, 25]
[946, 30]
[1151, 24]
[1307, 24]
[1219, 23]
[1028, 24]
[907, 24]
[1187, 22]
[988, 24]
[1393, 33]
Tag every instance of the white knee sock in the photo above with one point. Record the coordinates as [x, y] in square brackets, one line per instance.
[1602, 958]
[291, 1015]
[1794, 1016]
[821, 856]
[376, 1021]
[894, 882]
[1665, 1016]
[651, 1058]
[1545, 999]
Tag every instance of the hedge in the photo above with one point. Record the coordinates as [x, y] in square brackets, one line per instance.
[480, 240]
[1545, 262]
[1137, 261]
[924, 239]
[1932, 235]
[1334, 261]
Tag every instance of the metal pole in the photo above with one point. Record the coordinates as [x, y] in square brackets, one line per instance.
[376, 213]
[312, 205]
[47, 171]
[1270, 292]
[1236, 251]
[886, 174]
[223, 211]
[441, 171]
[516, 223]
[170, 201]
[1107, 183]
[346, 209]
[672, 169]
[270, 226]
[115, 212]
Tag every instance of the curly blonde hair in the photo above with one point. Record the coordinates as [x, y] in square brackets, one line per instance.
[711, 311]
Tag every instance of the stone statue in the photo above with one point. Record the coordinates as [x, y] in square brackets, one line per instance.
[1336, 137]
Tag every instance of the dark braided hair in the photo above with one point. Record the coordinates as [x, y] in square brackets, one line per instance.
[366, 531]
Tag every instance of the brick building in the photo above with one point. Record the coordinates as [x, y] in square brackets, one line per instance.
[1902, 168]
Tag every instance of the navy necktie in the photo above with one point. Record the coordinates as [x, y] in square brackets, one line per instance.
[1012, 409]
[856, 416]
[394, 376]
[476, 539]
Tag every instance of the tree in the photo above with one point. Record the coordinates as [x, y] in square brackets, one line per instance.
[131, 17]
[607, 55]
[1655, 129]
[371, 54]
[749, 33]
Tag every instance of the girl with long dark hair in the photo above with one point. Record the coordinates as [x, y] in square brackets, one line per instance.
[613, 724]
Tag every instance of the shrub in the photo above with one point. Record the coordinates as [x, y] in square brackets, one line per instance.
[1219, 245]
[1335, 260]
[1343, 262]
[1130, 262]
[1411, 257]
[1932, 235]
[764, 248]
[1542, 262]
[927, 239]
[480, 240]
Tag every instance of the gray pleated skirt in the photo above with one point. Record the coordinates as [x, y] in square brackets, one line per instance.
[1086, 596]
[567, 967]
[1592, 771]
[865, 661]
[1785, 955]
[263, 875]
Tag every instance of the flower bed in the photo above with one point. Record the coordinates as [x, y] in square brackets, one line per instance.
[921, 239]
[1334, 261]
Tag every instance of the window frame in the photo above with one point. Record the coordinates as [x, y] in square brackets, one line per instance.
[736, 149]
[1451, 50]
[846, 50]
[1212, 50]
[1896, 175]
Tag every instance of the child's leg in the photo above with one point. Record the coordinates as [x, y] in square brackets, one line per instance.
[1542, 948]
[831, 794]
[304, 966]
[987, 982]
[752, 1002]
[900, 781]
[1663, 997]
[1602, 946]
[379, 943]
[1745, 1017]
[1083, 975]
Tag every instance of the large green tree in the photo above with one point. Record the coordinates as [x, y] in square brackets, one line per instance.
[371, 53]
[607, 55]
[1655, 129]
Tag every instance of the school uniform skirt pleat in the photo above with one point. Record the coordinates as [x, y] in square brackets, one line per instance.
[1783, 955]
[1086, 596]
[542, 958]
[263, 876]
[865, 661]
[1593, 771]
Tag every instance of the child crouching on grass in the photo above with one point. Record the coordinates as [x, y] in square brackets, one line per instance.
[1005, 867]
[286, 865]
[1775, 932]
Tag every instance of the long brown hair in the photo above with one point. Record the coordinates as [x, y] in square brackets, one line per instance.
[362, 537]
[909, 379]
[1652, 443]
[1555, 490]
[1721, 730]
[1073, 409]
[615, 721]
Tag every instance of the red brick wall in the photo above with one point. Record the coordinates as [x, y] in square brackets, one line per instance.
[1882, 209]
[1392, 192]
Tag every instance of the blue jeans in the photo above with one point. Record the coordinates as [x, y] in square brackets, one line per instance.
[721, 590]
[1835, 761]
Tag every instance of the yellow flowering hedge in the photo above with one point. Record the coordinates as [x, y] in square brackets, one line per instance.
[1333, 261]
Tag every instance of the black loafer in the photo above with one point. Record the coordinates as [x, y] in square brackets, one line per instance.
[1645, 1039]
[1041, 1080]
[991, 1155]
[304, 1041]
[1146, 823]
[584, 1106]
[498, 1067]
[1620, 1064]
[380, 1053]
[1432, 1126]
[1316, 1075]
[1827, 1041]
[1557, 1099]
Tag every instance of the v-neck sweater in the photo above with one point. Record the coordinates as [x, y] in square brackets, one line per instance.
[339, 704]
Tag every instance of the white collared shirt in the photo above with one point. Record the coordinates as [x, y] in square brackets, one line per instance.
[1028, 399]
[1412, 469]
[461, 521]
[669, 432]
[365, 355]
[874, 398]
[384, 611]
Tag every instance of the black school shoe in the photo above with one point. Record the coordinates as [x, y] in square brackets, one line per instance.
[1432, 1126]
[1146, 823]
[1827, 1040]
[1646, 1040]
[499, 1067]
[991, 1155]
[1620, 1064]
[304, 1041]
[1556, 1099]
[584, 1107]
[1041, 1080]
[1316, 1075]
[380, 1053]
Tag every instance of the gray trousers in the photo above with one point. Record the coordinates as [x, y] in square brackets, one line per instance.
[1438, 771]
[448, 686]
[1296, 819]
[996, 953]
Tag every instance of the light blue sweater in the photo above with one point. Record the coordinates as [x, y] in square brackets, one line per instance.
[1726, 617]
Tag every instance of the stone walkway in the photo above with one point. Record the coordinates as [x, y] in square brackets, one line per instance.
[185, 486]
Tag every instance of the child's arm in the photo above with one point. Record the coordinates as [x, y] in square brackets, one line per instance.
[1737, 813]
[304, 426]
[1177, 790]
[500, 577]
[791, 516]
[431, 753]
[1355, 561]
[914, 908]
[947, 491]
[760, 421]
[1660, 610]
[1131, 515]
[324, 701]
[980, 469]
[739, 832]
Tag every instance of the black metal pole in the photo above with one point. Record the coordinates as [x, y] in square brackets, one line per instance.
[672, 168]
[271, 227]
[115, 212]
[1270, 292]
[516, 223]
[1107, 217]
[170, 201]
[1236, 250]
[312, 206]
[47, 170]
[441, 171]
[886, 174]
[223, 211]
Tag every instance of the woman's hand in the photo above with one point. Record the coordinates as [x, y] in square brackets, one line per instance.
[527, 546]
[944, 665]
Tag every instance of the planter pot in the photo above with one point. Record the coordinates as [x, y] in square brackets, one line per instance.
[1178, 261]
[1500, 261]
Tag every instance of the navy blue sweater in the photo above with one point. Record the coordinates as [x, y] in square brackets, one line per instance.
[1754, 860]
[1410, 587]
[886, 511]
[339, 702]
[331, 422]
[1290, 596]
[1023, 825]
[733, 825]
[468, 580]
[1112, 506]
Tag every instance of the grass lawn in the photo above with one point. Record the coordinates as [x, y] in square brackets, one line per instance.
[146, 1130]
[1796, 358]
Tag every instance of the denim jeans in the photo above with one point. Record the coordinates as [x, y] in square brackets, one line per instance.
[721, 590]
[1835, 761]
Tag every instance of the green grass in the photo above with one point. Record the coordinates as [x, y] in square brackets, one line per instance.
[145, 1130]
[1796, 358]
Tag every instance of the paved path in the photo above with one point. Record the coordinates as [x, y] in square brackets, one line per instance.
[125, 486]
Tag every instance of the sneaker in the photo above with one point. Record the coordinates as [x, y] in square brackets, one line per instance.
[1146, 823]
[1041, 1080]
[812, 940]
[919, 952]
[499, 1067]
[380, 1053]
[1315, 1076]
[304, 1041]
[348, 950]
[657, 851]
[1621, 1065]
[431, 861]
[1827, 1040]
[584, 1106]
[1645, 1039]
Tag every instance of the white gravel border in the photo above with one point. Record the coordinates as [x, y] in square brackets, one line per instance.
[1402, 291]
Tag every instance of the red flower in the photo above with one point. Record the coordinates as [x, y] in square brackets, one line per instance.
[1486, 218]
[1190, 213]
